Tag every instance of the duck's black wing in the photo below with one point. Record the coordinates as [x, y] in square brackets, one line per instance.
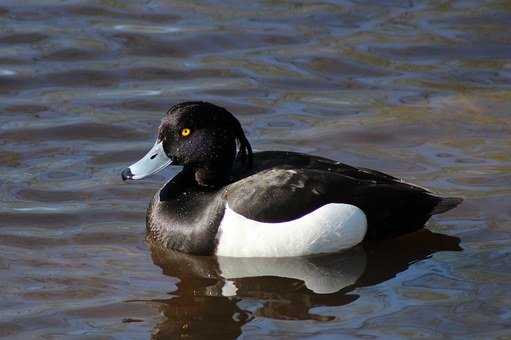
[284, 186]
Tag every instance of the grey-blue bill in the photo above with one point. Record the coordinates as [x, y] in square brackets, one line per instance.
[155, 160]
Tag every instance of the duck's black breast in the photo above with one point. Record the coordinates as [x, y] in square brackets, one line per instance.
[185, 218]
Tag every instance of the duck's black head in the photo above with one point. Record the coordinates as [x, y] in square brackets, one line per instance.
[204, 138]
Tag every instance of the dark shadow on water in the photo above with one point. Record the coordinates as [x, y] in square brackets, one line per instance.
[211, 289]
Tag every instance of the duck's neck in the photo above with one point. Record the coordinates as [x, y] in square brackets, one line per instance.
[193, 178]
[210, 175]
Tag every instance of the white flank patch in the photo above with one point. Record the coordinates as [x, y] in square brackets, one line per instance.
[328, 229]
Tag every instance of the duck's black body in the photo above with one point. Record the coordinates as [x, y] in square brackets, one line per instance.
[278, 187]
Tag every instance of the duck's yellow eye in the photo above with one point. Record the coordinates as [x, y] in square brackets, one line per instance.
[185, 132]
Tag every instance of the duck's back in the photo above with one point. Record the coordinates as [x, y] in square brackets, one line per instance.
[284, 186]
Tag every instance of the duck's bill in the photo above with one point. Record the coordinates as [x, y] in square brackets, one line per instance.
[154, 161]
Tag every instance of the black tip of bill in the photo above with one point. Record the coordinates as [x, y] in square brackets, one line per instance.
[126, 174]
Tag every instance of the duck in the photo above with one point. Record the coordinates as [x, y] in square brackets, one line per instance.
[229, 201]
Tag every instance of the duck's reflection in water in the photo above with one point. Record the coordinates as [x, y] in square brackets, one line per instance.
[209, 298]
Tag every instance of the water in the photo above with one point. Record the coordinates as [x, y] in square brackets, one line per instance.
[421, 90]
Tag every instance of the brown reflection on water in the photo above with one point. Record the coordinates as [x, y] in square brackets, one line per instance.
[207, 293]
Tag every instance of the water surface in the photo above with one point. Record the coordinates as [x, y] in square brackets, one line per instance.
[421, 90]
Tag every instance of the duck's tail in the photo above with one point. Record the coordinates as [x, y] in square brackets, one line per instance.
[446, 204]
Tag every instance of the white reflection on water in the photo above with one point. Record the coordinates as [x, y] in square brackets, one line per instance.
[322, 275]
